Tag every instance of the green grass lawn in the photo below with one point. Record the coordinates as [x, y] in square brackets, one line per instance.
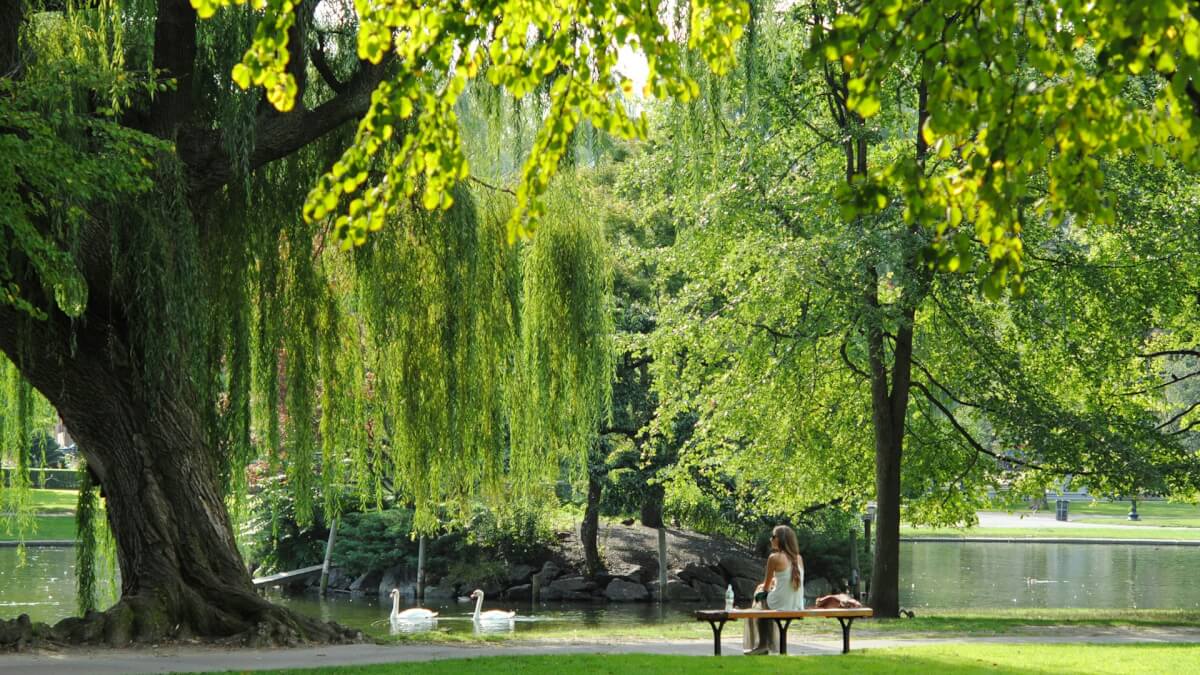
[54, 516]
[44, 527]
[1153, 514]
[1056, 532]
[1059, 659]
[60, 502]
[927, 623]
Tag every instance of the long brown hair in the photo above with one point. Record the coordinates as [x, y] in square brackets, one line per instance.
[790, 545]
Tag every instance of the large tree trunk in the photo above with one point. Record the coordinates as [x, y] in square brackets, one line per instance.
[589, 529]
[885, 572]
[181, 573]
[12, 13]
[889, 408]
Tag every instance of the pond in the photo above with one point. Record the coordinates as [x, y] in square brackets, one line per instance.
[964, 575]
[934, 575]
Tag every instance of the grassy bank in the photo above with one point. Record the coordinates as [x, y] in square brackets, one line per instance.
[1153, 514]
[958, 658]
[54, 516]
[927, 623]
[1054, 532]
[44, 527]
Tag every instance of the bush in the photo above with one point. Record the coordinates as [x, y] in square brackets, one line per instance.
[375, 540]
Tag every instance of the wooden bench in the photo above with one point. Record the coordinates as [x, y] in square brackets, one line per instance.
[716, 619]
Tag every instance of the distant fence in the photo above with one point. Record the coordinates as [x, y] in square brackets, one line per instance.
[51, 479]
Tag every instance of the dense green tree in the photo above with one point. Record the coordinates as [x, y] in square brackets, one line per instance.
[830, 357]
[162, 289]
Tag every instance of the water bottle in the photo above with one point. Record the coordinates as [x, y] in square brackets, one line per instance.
[729, 597]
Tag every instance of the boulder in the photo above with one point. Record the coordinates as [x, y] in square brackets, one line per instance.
[743, 589]
[519, 574]
[393, 577]
[366, 582]
[521, 592]
[575, 584]
[619, 590]
[696, 572]
[677, 591]
[633, 572]
[337, 578]
[549, 572]
[709, 591]
[816, 587]
[738, 566]
[17, 633]
[439, 593]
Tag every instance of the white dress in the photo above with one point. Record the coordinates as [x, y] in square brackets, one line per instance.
[782, 595]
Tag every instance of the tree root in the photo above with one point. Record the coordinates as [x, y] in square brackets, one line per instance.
[140, 620]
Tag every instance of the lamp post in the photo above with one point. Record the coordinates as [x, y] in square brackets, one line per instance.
[867, 519]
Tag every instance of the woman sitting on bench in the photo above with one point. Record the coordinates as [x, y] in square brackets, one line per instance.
[782, 588]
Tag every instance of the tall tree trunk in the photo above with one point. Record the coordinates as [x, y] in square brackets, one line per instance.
[590, 527]
[12, 13]
[181, 573]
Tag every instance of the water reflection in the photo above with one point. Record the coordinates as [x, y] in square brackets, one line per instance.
[933, 574]
[963, 575]
[410, 626]
[495, 626]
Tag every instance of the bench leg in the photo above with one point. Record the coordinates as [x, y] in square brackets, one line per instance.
[717, 627]
[783, 625]
[846, 622]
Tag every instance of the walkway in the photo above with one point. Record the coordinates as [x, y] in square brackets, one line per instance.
[188, 659]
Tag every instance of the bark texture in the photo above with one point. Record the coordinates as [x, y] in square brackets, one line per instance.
[12, 13]
[142, 433]
[181, 573]
[590, 527]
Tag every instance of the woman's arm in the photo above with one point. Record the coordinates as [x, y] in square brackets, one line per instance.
[772, 565]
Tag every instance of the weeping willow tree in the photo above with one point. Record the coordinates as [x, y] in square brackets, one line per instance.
[161, 288]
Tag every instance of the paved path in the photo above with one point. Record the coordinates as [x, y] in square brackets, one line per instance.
[187, 659]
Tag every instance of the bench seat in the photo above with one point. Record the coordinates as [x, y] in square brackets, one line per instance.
[717, 619]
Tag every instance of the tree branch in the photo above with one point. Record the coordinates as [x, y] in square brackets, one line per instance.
[278, 136]
[317, 56]
[949, 394]
[971, 439]
[1176, 418]
[494, 188]
[850, 364]
[1170, 352]
[174, 54]
[1161, 385]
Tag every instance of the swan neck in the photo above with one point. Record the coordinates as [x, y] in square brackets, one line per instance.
[395, 604]
[478, 605]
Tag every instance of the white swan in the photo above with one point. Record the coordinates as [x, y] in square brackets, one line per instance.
[491, 614]
[412, 614]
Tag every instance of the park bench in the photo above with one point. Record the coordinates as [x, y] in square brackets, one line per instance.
[717, 618]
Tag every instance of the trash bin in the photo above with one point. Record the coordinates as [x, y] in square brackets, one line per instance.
[1061, 509]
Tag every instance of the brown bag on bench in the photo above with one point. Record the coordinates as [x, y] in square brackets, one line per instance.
[837, 601]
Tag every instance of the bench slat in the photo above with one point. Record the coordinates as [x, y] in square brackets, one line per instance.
[735, 614]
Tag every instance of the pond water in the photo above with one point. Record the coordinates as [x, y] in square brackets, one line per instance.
[963, 575]
[933, 575]
[369, 614]
[43, 588]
